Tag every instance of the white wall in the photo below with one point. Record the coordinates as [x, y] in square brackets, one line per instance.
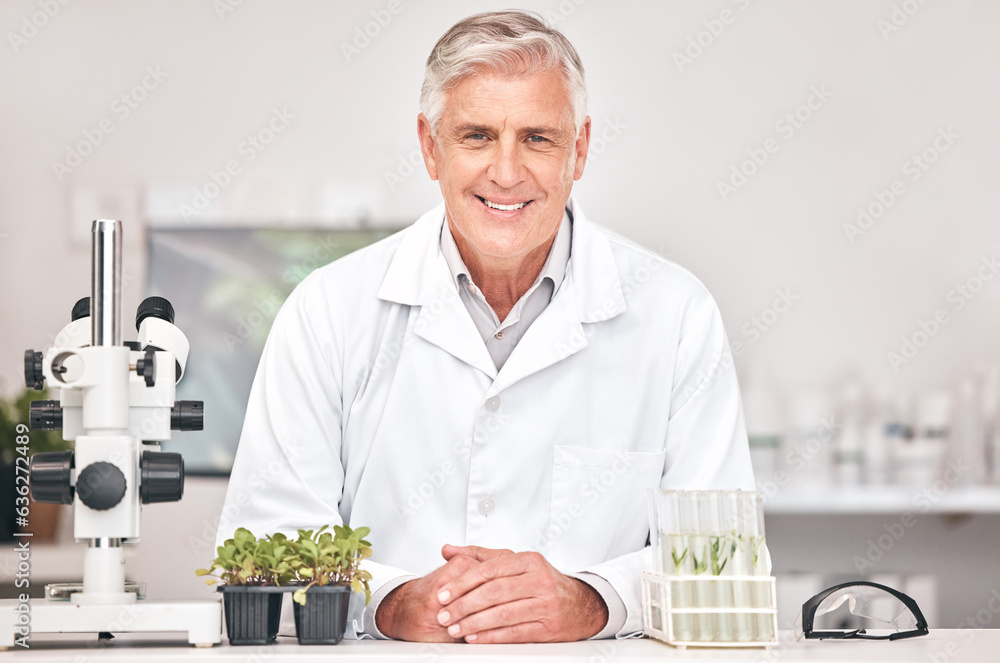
[680, 132]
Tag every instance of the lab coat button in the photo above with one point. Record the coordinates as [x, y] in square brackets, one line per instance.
[499, 335]
[493, 404]
[485, 506]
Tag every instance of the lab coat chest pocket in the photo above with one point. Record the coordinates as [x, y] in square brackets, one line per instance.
[598, 508]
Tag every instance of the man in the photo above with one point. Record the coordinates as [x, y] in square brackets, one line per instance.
[494, 389]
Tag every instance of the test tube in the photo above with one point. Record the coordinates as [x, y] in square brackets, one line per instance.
[742, 590]
[715, 593]
[685, 559]
[753, 513]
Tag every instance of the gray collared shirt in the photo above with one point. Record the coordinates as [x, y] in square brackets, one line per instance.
[501, 337]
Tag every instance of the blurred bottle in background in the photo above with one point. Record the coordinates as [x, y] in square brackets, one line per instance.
[806, 449]
[920, 459]
[763, 418]
[881, 429]
[968, 439]
[849, 448]
[990, 377]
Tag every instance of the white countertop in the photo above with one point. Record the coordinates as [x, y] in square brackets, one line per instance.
[942, 646]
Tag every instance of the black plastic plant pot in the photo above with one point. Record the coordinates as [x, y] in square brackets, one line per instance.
[322, 620]
[252, 613]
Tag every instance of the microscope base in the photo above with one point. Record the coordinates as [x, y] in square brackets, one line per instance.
[201, 620]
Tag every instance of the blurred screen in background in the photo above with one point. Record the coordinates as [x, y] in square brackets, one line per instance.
[226, 286]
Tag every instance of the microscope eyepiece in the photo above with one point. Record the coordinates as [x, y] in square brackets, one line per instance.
[156, 307]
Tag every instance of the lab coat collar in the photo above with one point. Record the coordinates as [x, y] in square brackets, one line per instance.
[419, 276]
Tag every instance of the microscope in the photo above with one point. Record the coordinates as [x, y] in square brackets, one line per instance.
[116, 403]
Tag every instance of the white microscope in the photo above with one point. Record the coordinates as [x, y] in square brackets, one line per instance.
[116, 401]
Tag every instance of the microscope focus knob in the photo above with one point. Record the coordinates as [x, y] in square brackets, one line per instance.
[100, 485]
[45, 415]
[33, 375]
[146, 367]
[50, 473]
[162, 477]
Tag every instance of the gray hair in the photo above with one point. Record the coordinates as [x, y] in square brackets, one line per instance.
[505, 43]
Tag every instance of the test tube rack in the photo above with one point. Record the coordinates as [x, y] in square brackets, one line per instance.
[667, 604]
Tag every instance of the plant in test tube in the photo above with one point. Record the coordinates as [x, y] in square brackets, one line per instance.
[678, 561]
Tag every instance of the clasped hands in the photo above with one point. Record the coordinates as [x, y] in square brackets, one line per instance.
[484, 595]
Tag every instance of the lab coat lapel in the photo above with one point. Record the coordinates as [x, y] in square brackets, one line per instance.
[445, 322]
[419, 276]
[555, 335]
[591, 292]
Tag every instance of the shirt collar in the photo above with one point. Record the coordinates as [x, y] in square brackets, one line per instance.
[553, 269]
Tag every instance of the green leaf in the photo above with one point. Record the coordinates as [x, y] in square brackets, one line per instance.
[679, 560]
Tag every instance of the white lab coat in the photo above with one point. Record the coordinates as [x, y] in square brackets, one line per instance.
[376, 403]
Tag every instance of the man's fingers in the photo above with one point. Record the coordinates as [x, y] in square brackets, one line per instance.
[454, 568]
[527, 632]
[497, 567]
[488, 595]
[516, 614]
[476, 552]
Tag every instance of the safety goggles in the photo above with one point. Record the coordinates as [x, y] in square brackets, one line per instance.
[869, 606]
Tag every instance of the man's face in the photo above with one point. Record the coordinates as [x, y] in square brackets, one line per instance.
[507, 143]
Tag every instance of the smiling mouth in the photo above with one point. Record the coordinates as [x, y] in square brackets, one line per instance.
[503, 208]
